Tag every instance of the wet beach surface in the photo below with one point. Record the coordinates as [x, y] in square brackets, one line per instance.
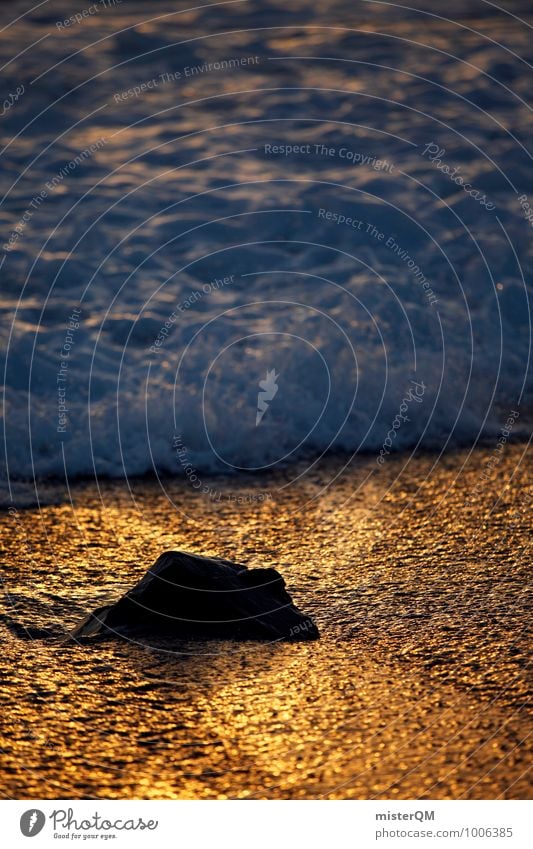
[416, 574]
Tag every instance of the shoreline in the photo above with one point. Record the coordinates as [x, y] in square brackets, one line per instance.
[51, 486]
[417, 687]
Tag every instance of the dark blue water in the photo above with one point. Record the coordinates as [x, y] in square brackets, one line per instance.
[331, 194]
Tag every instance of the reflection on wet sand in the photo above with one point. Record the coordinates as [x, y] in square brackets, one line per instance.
[417, 687]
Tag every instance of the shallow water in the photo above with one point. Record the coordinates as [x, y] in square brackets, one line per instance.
[416, 573]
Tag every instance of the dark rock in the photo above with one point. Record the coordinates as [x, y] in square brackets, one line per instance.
[187, 596]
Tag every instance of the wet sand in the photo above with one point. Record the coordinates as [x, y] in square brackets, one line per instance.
[416, 574]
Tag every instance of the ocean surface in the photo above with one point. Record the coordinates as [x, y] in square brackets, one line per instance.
[249, 232]
[418, 688]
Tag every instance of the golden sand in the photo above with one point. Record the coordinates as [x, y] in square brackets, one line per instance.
[416, 574]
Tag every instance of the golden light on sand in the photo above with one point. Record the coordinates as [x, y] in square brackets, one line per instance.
[410, 686]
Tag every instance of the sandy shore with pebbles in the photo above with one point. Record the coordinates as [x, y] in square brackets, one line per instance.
[418, 687]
